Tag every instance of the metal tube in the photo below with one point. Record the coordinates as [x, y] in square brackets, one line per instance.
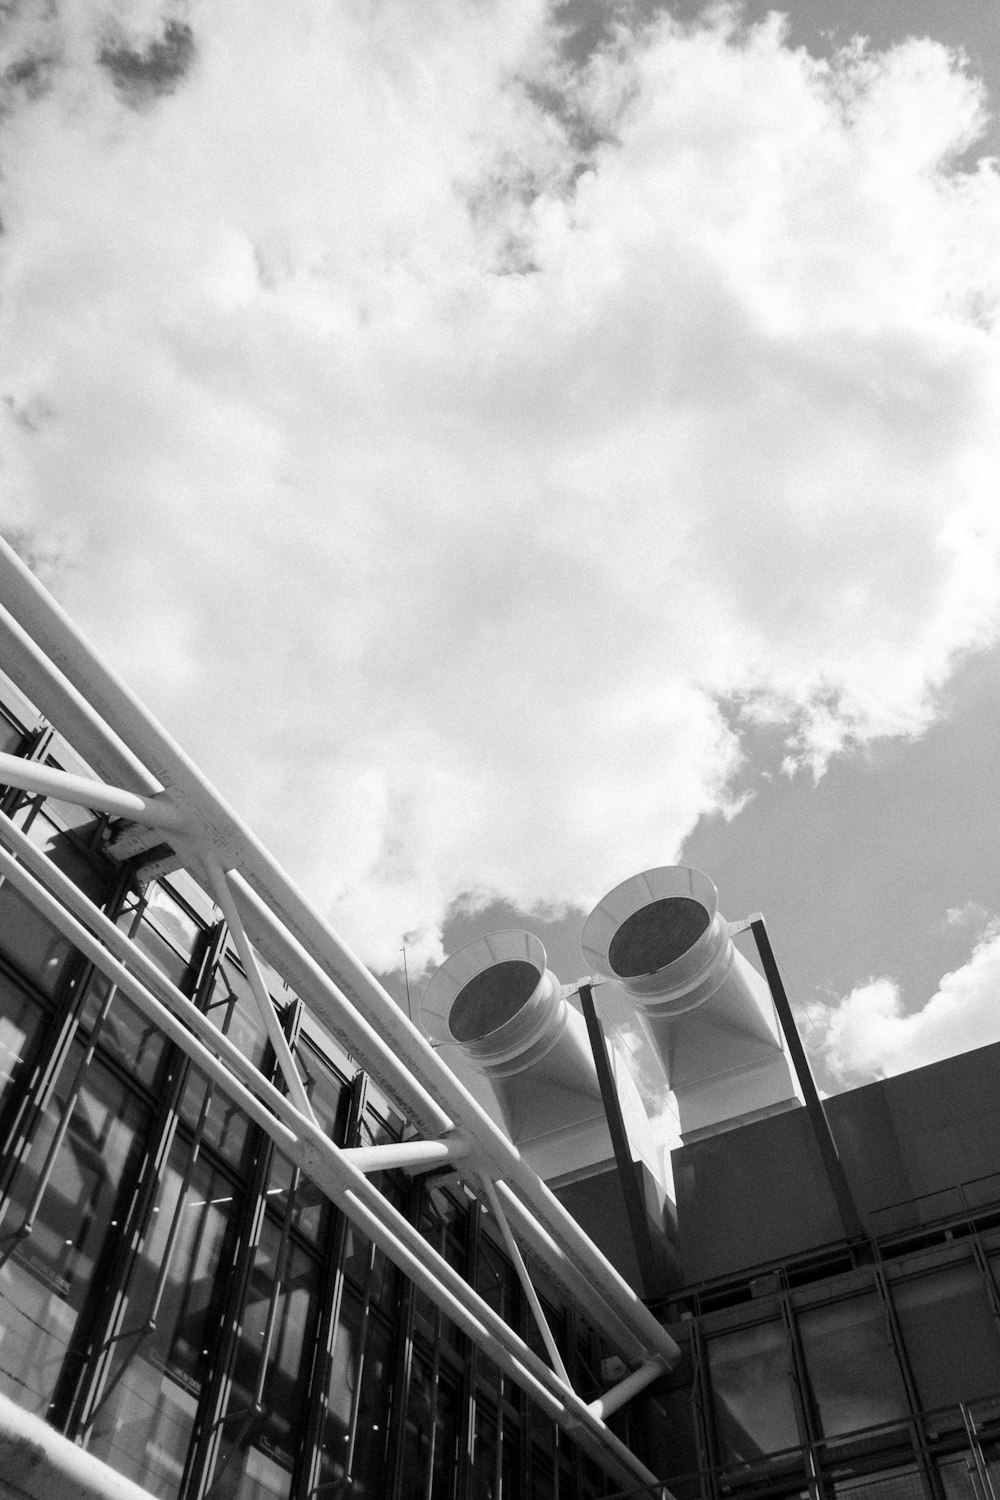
[407, 1154]
[265, 1005]
[623, 1392]
[837, 1177]
[635, 1208]
[326, 1165]
[514, 1252]
[59, 702]
[34, 776]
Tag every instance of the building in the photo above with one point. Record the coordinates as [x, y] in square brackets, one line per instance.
[257, 1241]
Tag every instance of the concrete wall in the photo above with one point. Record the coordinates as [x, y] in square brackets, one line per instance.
[759, 1193]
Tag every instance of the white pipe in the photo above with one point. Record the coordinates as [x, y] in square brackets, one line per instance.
[265, 1006]
[34, 776]
[513, 1250]
[336, 1013]
[406, 1154]
[49, 626]
[38, 1463]
[59, 702]
[623, 1392]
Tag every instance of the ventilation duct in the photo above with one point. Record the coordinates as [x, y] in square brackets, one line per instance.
[497, 1004]
[706, 1011]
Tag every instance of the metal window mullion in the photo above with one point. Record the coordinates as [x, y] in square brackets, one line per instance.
[11, 1240]
[92, 1388]
[202, 1472]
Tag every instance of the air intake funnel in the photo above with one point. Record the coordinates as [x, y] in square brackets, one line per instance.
[706, 1011]
[496, 1003]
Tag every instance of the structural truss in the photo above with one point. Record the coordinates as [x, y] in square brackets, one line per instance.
[167, 806]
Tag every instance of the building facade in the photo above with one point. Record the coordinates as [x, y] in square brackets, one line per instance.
[255, 1251]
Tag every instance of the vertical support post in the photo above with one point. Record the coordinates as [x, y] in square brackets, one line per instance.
[854, 1229]
[635, 1208]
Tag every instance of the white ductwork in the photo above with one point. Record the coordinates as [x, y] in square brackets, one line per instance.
[496, 1003]
[706, 1011]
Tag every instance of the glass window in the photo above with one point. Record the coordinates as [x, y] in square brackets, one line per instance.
[273, 1360]
[430, 1458]
[32, 943]
[20, 1020]
[44, 1284]
[155, 1375]
[949, 1335]
[750, 1381]
[855, 1379]
[125, 1033]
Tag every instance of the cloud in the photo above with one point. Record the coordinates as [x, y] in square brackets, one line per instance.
[441, 434]
[869, 1035]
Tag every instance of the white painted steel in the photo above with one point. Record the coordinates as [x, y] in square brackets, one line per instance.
[61, 704]
[34, 776]
[610, 1302]
[524, 1277]
[38, 1463]
[265, 1006]
[407, 1154]
[623, 1392]
[324, 1163]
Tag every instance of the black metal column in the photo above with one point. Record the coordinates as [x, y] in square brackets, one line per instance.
[854, 1229]
[635, 1208]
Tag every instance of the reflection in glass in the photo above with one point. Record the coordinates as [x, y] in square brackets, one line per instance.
[273, 1359]
[144, 1422]
[20, 1019]
[750, 1382]
[949, 1335]
[855, 1379]
[44, 1284]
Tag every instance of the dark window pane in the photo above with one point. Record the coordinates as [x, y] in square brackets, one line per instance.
[125, 1033]
[855, 1378]
[44, 1284]
[430, 1461]
[32, 943]
[750, 1382]
[225, 1128]
[949, 1335]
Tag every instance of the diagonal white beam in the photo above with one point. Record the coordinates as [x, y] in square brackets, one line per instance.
[276, 1036]
[33, 776]
[514, 1251]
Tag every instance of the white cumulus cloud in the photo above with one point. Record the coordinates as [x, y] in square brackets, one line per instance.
[870, 1035]
[443, 436]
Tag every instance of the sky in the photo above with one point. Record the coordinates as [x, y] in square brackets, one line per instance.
[512, 446]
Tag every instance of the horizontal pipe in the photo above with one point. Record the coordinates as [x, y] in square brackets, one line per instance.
[407, 1154]
[34, 776]
[623, 1392]
[51, 628]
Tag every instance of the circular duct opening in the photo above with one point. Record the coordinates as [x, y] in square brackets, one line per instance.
[656, 935]
[491, 998]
